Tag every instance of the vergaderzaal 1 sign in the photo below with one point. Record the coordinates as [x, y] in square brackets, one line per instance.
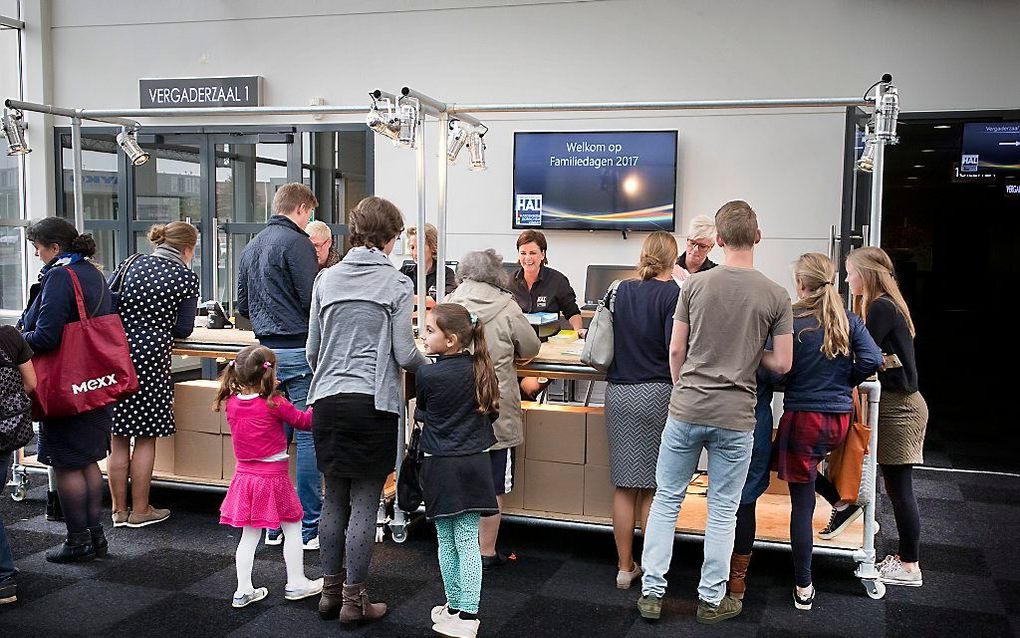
[244, 90]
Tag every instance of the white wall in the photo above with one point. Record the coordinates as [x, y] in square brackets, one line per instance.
[944, 55]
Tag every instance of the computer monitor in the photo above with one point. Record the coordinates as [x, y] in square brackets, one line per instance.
[511, 267]
[600, 276]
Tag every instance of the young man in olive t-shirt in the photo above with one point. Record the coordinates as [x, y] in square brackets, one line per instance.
[722, 320]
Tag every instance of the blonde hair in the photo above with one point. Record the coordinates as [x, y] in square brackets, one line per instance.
[318, 229]
[737, 224]
[658, 255]
[817, 275]
[431, 238]
[179, 235]
[878, 278]
[289, 196]
[701, 227]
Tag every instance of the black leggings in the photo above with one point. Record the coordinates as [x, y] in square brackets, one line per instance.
[802, 500]
[743, 539]
[899, 485]
[81, 496]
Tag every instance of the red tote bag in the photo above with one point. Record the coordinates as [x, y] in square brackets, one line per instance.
[90, 369]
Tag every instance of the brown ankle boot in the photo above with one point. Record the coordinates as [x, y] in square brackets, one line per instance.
[357, 608]
[332, 597]
[737, 584]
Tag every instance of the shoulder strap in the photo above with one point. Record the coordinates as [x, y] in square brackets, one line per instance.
[119, 281]
[79, 297]
[610, 298]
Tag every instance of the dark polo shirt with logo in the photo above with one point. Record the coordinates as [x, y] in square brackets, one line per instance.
[551, 293]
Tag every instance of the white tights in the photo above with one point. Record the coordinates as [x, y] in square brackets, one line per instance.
[293, 557]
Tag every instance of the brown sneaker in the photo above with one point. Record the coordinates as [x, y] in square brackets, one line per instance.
[120, 519]
[149, 517]
[737, 584]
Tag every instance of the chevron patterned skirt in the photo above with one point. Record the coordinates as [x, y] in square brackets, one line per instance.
[635, 417]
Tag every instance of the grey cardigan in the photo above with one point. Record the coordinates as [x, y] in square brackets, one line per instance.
[359, 332]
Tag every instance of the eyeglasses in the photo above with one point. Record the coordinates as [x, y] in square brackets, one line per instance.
[695, 246]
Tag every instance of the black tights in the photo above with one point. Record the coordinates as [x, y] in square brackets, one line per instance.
[802, 500]
[743, 539]
[81, 496]
[899, 485]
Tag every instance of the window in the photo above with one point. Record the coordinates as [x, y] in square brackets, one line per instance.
[12, 178]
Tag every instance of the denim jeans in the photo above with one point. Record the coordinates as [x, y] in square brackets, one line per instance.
[729, 453]
[761, 454]
[295, 377]
[7, 569]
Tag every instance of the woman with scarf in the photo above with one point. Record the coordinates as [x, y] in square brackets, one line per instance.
[157, 301]
[71, 446]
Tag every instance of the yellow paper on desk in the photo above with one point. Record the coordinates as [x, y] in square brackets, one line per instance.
[564, 336]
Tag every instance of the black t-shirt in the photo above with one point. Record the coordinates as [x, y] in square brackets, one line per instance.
[411, 271]
[446, 404]
[889, 328]
[14, 345]
[551, 293]
[708, 264]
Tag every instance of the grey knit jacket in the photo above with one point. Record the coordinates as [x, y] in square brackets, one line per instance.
[359, 332]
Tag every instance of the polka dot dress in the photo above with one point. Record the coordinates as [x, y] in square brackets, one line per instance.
[150, 296]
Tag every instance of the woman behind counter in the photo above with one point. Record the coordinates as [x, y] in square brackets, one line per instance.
[158, 302]
[72, 445]
[411, 269]
[700, 242]
[538, 288]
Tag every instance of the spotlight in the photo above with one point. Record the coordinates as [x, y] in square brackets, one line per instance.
[128, 143]
[458, 139]
[14, 131]
[409, 115]
[385, 123]
[476, 147]
[887, 110]
[867, 160]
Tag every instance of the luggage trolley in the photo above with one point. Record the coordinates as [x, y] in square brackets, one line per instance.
[19, 473]
[865, 556]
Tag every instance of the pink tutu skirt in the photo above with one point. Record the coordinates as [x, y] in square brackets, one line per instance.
[260, 495]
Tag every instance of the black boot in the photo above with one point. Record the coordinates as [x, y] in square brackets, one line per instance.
[99, 543]
[76, 549]
[53, 511]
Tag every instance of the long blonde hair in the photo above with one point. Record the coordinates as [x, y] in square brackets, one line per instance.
[816, 274]
[878, 278]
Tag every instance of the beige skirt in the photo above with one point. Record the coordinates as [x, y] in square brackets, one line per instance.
[902, 421]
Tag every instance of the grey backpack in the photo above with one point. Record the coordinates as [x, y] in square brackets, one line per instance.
[15, 407]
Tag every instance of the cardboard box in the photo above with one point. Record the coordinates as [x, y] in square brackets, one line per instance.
[198, 455]
[597, 448]
[193, 408]
[554, 487]
[598, 491]
[164, 463]
[776, 485]
[556, 433]
[229, 460]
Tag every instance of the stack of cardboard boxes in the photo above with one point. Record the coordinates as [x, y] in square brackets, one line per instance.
[202, 442]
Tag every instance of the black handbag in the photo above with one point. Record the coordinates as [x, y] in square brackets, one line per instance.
[15, 408]
[118, 283]
[409, 492]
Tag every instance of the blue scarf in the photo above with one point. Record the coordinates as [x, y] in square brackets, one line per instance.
[63, 259]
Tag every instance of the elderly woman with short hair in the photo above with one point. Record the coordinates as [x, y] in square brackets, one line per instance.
[511, 340]
[322, 239]
[700, 242]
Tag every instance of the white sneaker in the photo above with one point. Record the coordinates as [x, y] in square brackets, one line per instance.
[312, 544]
[440, 612]
[308, 588]
[625, 579]
[457, 627]
[894, 573]
[243, 600]
[274, 537]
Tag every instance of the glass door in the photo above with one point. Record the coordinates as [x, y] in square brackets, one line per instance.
[853, 230]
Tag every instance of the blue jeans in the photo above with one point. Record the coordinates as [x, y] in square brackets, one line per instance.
[7, 569]
[761, 454]
[729, 452]
[295, 377]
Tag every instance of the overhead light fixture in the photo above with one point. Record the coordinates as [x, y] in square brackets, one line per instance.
[942, 126]
[918, 165]
[129, 144]
[458, 138]
[14, 131]
[866, 162]
[913, 177]
[927, 150]
[383, 122]
[410, 111]
[476, 148]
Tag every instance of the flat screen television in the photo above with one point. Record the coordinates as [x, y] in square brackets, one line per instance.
[991, 147]
[605, 180]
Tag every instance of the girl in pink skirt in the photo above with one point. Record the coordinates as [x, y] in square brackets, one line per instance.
[261, 495]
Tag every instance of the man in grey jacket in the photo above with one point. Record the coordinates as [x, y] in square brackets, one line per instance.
[274, 289]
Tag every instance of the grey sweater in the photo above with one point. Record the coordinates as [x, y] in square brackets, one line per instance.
[359, 332]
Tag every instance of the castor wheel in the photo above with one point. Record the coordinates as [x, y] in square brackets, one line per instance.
[875, 589]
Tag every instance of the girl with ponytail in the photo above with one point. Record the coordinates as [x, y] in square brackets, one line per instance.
[457, 400]
[832, 353]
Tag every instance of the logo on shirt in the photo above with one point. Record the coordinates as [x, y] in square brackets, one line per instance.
[528, 210]
[542, 301]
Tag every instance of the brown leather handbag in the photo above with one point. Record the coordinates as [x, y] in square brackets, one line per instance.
[846, 462]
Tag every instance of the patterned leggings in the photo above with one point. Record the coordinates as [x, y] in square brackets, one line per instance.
[460, 560]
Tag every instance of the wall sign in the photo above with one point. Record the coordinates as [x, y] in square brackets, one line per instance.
[193, 93]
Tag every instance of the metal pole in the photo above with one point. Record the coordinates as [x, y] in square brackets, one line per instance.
[74, 114]
[782, 103]
[432, 105]
[422, 245]
[875, 230]
[226, 110]
[79, 195]
[444, 133]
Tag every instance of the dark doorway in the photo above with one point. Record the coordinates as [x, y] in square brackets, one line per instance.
[955, 240]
